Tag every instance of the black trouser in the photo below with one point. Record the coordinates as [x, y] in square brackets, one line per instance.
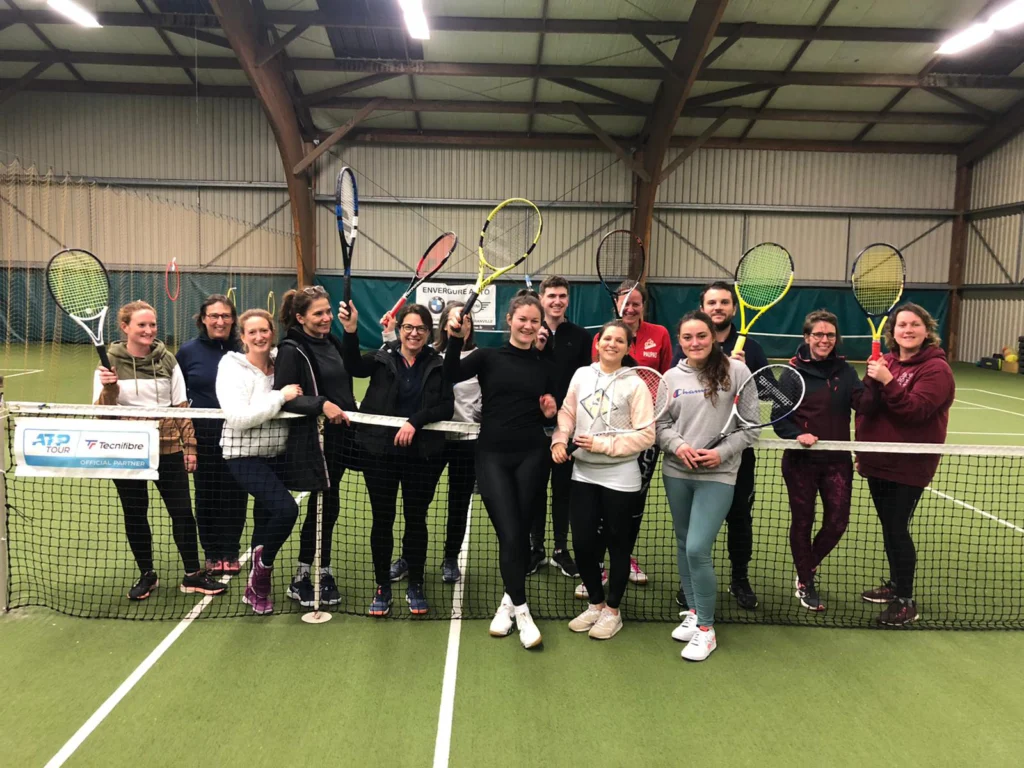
[418, 478]
[274, 510]
[460, 456]
[337, 445]
[895, 504]
[740, 518]
[603, 518]
[561, 488]
[221, 505]
[648, 461]
[508, 486]
[172, 484]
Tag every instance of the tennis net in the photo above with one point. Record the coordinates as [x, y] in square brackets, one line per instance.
[68, 550]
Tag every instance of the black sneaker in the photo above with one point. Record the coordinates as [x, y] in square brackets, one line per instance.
[681, 599]
[399, 569]
[329, 594]
[809, 597]
[302, 590]
[538, 557]
[144, 587]
[898, 613]
[381, 604]
[562, 560]
[886, 593]
[202, 583]
[741, 590]
[450, 572]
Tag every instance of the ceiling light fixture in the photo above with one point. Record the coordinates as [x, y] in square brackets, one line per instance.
[970, 37]
[1007, 18]
[75, 12]
[415, 19]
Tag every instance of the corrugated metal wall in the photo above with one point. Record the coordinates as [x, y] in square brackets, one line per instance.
[988, 323]
[994, 251]
[999, 177]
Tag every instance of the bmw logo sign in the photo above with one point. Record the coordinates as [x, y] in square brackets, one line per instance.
[436, 305]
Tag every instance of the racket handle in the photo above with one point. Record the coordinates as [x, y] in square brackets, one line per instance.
[876, 349]
[718, 440]
[348, 288]
[101, 350]
[570, 448]
[741, 341]
[468, 308]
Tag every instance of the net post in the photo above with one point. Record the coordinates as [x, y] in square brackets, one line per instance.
[5, 587]
[316, 616]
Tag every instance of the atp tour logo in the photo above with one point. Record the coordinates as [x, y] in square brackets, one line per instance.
[53, 442]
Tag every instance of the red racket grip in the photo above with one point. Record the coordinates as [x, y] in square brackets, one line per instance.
[876, 349]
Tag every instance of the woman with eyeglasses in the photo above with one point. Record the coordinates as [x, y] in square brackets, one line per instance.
[311, 357]
[220, 504]
[833, 392]
[406, 380]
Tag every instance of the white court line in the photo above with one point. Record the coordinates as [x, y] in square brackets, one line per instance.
[23, 372]
[989, 408]
[115, 698]
[996, 394]
[981, 512]
[443, 742]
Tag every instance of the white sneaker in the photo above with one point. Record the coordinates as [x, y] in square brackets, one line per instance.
[581, 592]
[607, 626]
[501, 624]
[586, 620]
[685, 631]
[701, 644]
[529, 634]
[636, 573]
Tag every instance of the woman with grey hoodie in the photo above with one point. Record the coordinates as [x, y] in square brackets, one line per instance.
[699, 482]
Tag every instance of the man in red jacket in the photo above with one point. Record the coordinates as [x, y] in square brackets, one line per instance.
[909, 392]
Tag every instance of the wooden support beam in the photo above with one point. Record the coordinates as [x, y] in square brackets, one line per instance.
[21, 15]
[13, 87]
[281, 43]
[168, 44]
[318, 97]
[242, 29]
[535, 83]
[608, 141]
[660, 126]
[200, 35]
[1008, 125]
[335, 137]
[693, 146]
[657, 53]
[601, 93]
[959, 101]
[724, 46]
[728, 93]
[958, 258]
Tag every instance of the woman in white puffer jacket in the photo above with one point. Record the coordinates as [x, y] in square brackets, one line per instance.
[253, 443]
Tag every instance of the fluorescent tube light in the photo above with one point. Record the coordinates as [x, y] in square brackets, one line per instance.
[970, 37]
[75, 12]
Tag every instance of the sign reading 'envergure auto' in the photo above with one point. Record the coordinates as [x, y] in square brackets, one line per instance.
[49, 447]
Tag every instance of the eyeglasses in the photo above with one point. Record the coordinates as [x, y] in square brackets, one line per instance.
[414, 328]
[315, 290]
[818, 336]
[219, 316]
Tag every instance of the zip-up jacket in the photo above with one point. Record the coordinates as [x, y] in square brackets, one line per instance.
[198, 359]
[250, 405]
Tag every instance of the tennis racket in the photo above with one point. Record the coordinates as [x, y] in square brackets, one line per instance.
[610, 419]
[763, 276]
[879, 274]
[429, 264]
[172, 279]
[79, 284]
[510, 233]
[620, 255]
[780, 390]
[272, 303]
[346, 210]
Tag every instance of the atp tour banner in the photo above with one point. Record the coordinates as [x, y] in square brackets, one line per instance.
[86, 448]
[435, 295]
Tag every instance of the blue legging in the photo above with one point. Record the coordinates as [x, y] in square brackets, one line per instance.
[698, 509]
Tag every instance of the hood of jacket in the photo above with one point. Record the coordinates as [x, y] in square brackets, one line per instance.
[239, 360]
[156, 358]
[821, 369]
[926, 354]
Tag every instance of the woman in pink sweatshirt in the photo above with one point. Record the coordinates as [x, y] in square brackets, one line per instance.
[909, 392]
[606, 476]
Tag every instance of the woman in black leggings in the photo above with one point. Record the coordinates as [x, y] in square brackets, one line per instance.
[512, 450]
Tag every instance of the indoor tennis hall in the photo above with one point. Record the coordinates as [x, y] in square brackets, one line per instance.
[242, 149]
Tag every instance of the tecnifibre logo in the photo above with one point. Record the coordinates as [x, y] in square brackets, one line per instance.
[103, 445]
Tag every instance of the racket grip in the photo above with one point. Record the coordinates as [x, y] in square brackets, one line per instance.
[101, 350]
[468, 308]
[741, 341]
[348, 288]
[718, 440]
[570, 448]
[876, 349]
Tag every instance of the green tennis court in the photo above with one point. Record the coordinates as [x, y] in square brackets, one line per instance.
[368, 692]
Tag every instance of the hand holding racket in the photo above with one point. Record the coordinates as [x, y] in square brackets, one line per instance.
[611, 417]
[435, 257]
[79, 284]
[779, 390]
[346, 211]
[619, 256]
[763, 276]
[509, 235]
[878, 277]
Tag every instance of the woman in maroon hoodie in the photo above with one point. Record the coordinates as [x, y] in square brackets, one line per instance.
[833, 391]
[909, 392]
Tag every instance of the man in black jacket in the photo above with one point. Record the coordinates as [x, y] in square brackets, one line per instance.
[570, 349]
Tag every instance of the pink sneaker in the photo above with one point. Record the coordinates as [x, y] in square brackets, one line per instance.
[636, 574]
[257, 591]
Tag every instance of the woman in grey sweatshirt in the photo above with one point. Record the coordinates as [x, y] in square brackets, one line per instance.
[699, 483]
